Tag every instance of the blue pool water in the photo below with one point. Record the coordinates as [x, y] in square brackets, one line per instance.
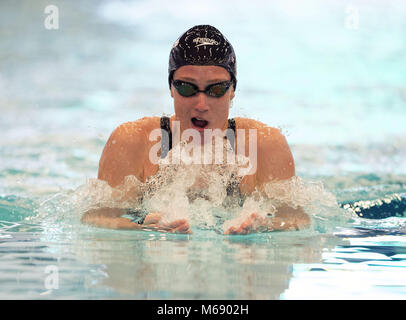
[330, 74]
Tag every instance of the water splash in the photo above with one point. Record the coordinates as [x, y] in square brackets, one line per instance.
[200, 196]
[204, 194]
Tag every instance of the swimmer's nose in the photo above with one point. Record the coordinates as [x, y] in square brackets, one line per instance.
[201, 103]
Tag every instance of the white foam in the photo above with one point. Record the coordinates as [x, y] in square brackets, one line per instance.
[198, 193]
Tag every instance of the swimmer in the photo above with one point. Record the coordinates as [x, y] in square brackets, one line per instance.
[202, 82]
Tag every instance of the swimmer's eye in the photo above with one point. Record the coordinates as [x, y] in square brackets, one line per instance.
[218, 89]
[187, 89]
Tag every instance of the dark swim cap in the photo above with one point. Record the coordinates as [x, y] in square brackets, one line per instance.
[203, 45]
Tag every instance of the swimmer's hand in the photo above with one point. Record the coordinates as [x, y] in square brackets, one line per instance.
[286, 218]
[251, 224]
[111, 218]
[153, 221]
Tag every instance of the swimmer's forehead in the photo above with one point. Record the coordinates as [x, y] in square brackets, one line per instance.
[207, 74]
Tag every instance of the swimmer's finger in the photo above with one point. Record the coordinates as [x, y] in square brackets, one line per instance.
[247, 225]
[153, 223]
[183, 228]
[152, 218]
[167, 226]
[177, 226]
[153, 227]
[150, 227]
[176, 223]
[231, 230]
[244, 228]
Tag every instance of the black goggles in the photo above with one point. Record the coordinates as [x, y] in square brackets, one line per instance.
[187, 89]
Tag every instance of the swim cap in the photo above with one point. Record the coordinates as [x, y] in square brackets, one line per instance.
[203, 45]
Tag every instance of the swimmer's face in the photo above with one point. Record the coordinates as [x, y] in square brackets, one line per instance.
[211, 112]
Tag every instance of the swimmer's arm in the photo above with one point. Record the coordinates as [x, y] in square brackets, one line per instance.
[118, 160]
[275, 162]
[111, 218]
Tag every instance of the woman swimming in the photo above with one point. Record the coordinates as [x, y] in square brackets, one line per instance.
[202, 82]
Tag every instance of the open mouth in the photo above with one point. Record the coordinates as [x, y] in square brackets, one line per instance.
[199, 123]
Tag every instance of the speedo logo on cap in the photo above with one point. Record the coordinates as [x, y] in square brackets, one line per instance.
[205, 42]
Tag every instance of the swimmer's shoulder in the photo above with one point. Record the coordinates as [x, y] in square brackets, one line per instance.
[134, 133]
[264, 130]
[274, 155]
[126, 150]
[138, 128]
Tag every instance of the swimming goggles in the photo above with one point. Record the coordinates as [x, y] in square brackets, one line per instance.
[187, 89]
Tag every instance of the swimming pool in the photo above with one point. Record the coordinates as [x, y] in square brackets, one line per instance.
[331, 76]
